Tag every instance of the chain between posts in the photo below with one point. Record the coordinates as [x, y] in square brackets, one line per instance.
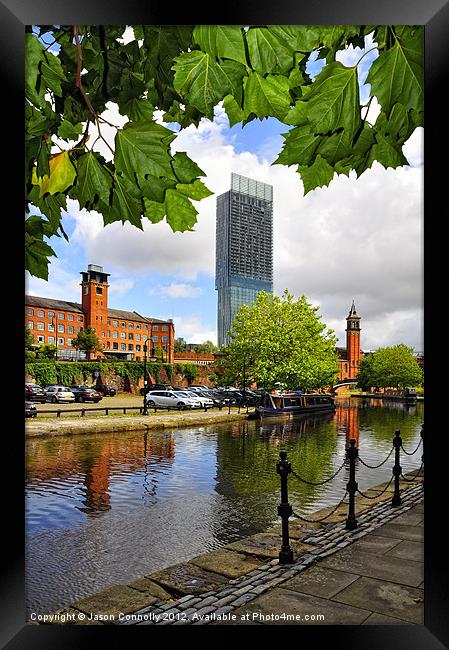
[413, 452]
[380, 464]
[410, 480]
[377, 495]
[312, 521]
[303, 480]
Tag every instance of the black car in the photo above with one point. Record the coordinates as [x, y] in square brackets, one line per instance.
[30, 410]
[105, 390]
[145, 389]
[35, 393]
[85, 394]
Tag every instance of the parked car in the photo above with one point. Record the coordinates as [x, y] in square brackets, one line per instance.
[196, 399]
[205, 399]
[34, 393]
[169, 399]
[105, 390]
[198, 386]
[85, 394]
[60, 394]
[30, 409]
[156, 387]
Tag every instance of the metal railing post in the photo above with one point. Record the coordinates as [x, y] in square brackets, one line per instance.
[283, 468]
[352, 485]
[397, 469]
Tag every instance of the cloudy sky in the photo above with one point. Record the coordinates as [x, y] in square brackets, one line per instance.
[359, 239]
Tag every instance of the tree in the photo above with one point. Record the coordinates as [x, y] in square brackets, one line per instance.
[88, 341]
[184, 72]
[392, 367]
[280, 339]
[180, 345]
[46, 351]
[206, 348]
[30, 354]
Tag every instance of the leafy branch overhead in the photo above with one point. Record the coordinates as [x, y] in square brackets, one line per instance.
[74, 73]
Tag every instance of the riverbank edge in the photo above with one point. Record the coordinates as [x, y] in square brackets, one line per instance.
[221, 580]
[109, 424]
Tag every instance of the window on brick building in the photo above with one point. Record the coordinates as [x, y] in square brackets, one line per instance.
[31, 325]
[51, 339]
[40, 313]
[30, 312]
[80, 319]
[114, 323]
[51, 314]
[137, 337]
[70, 330]
[145, 327]
[122, 346]
[123, 324]
[165, 328]
[115, 346]
[123, 335]
[51, 327]
[99, 291]
[41, 326]
[155, 339]
[130, 326]
[115, 335]
[155, 328]
[138, 348]
[40, 339]
[61, 316]
[164, 339]
[108, 345]
[60, 340]
[137, 326]
[131, 336]
[70, 317]
[130, 346]
[60, 328]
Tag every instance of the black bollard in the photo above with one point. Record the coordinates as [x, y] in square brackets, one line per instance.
[397, 469]
[283, 468]
[351, 486]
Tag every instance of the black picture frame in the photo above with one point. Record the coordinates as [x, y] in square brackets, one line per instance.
[434, 15]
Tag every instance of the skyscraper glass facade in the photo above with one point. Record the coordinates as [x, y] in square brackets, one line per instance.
[244, 248]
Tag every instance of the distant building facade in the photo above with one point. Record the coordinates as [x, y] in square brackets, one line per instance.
[244, 248]
[122, 333]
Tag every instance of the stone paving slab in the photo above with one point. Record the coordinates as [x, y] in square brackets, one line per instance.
[226, 563]
[188, 578]
[381, 619]
[410, 518]
[376, 566]
[285, 601]
[402, 531]
[377, 544]
[114, 600]
[384, 598]
[321, 581]
[266, 545]
[151, 588]
[408, 550]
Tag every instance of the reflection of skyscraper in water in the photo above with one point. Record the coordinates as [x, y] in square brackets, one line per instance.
[244, 248]
[348, 422]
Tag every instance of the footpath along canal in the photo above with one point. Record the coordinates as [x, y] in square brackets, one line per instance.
[104, 509]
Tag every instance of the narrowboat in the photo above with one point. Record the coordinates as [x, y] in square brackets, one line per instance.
[291, 404]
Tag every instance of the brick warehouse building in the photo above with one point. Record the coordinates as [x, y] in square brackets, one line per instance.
[122, 333]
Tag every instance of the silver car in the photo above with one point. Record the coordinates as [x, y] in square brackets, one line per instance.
[169, 399]
[205, 400]
[60, 394]
[193, 397]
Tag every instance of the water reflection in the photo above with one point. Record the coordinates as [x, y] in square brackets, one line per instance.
[109, 508]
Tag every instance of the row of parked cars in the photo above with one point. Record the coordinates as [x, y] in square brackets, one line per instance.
[67, 394]
[196, 396]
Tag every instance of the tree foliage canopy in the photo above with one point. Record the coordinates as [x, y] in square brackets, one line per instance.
[280, 339]
[183, 72]
[87, 340]
[393, 367]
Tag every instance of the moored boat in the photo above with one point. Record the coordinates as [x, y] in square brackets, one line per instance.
[289, 404]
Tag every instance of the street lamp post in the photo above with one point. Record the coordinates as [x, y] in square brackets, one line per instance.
[145, 348]
[55, 327]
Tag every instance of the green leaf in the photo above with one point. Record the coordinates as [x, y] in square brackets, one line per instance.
[186, 170]
[396, 76]
[204, 82]
[62, 174]
[70, 131]
[234, 112]
[270, 50]
[33, 58]
[181, 215]
[335, 147]
[317, 175]
[196, 190]
[153, 210]
[223, 41]
[126, 202]
[266, 96]
[93, 179]
[37, 253]
[387, 152]
[52, 72]
[334, 101]
[299, 147]
[143, 148]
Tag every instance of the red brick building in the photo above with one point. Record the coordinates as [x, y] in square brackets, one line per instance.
[350, 357]
[122, 333]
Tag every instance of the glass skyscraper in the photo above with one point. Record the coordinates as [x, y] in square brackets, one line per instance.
[244, 248]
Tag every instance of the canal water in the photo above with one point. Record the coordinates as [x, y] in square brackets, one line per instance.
[106, 509]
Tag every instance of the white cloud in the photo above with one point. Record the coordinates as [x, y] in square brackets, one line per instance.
[177, 290]
[62, 287]
[120, 286]
[193, 329]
